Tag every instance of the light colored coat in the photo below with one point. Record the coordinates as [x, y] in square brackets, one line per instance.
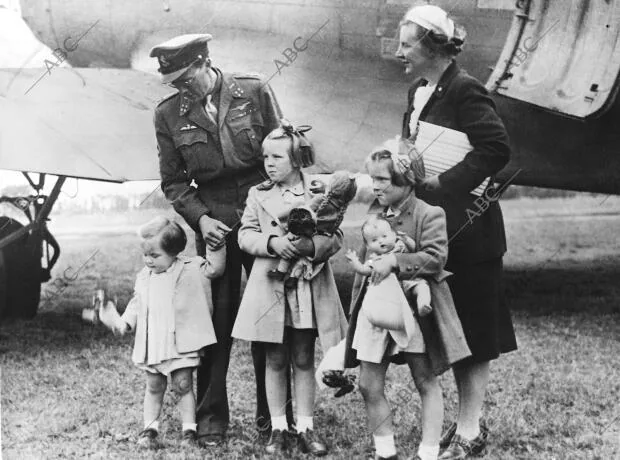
[443, 334]
[261, 314]
[191, 301]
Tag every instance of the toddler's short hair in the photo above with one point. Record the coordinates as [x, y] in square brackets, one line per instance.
[171, 234]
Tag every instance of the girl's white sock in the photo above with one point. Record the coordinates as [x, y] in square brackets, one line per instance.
[188, 426]
[384, 445]
[279, 423]
[428, 452]
[304, 423]
[154, 425]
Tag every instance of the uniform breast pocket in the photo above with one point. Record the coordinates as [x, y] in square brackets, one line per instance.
[199, 152]
[247, 133]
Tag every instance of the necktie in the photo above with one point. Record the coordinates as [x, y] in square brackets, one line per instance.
[211, 110]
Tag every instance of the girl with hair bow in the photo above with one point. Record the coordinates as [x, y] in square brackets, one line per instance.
[288, 317]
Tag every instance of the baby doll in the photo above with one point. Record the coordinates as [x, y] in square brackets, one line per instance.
[385, 304]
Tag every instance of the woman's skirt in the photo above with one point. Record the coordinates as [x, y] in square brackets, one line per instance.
[478, 297]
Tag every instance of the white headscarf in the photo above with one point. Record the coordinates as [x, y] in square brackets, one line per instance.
[432, 18]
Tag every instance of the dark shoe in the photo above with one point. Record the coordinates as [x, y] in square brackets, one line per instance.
[211, 440]
[310, 442]
[447, 436]
[277, 442]
[461, 448]
[147, 439]
[393, 457]
[189, 438]
[338, 379]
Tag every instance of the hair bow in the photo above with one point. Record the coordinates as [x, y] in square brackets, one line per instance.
[302, 152]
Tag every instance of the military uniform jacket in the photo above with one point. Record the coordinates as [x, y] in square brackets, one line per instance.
[224, 159]
[461, 102]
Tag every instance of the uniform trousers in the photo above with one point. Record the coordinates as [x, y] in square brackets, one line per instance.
[212, 408]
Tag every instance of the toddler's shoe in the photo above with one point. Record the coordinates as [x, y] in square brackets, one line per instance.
[189, 438]
[277, 442]
[310, 442]
[147, 439]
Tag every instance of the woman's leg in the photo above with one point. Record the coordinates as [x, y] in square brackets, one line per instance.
[471, 381]
[183, 385]
[153, 398]
[431, 395]
[302, 350]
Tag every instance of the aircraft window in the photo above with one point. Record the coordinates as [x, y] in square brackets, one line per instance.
[497, 4]
[565, 57]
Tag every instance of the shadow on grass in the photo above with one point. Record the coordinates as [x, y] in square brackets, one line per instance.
[578, 287]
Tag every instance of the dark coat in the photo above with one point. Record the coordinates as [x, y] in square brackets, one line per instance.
[223, 160]
[461, 102]
[442, 331]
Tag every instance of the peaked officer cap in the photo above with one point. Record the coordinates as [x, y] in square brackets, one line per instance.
[177, 55]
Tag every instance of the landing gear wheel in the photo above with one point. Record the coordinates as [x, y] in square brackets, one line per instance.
[20, 273]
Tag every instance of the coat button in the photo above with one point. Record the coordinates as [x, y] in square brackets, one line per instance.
[409, 268]
[273, 222]
[417, 267]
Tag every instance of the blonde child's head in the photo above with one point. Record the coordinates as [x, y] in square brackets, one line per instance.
[162, 241]
[378, 235]
[286, 150]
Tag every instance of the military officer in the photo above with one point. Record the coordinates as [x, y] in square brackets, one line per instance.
[209, 135]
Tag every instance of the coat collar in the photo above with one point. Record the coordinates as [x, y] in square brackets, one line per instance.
[446, 79]
[145, 273]
[195, 110]
[442, 85]
[408, 205]
[270, 200]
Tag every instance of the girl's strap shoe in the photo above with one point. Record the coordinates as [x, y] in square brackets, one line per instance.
[461, 448]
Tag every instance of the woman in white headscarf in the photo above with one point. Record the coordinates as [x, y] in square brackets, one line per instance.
[443, 94]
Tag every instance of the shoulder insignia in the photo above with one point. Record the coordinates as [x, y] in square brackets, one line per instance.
[166, 97]
[252, 75]
[235, 89]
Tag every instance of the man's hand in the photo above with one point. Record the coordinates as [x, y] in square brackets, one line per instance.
[283, 247]
[382, 267]
[213, 231]
[431, 184]
[304, 245]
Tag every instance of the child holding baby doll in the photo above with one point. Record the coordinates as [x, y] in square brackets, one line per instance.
[434, 341]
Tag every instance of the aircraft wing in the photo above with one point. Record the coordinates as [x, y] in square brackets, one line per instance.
[85, 123]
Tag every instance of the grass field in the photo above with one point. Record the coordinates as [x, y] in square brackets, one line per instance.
[69, 389]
